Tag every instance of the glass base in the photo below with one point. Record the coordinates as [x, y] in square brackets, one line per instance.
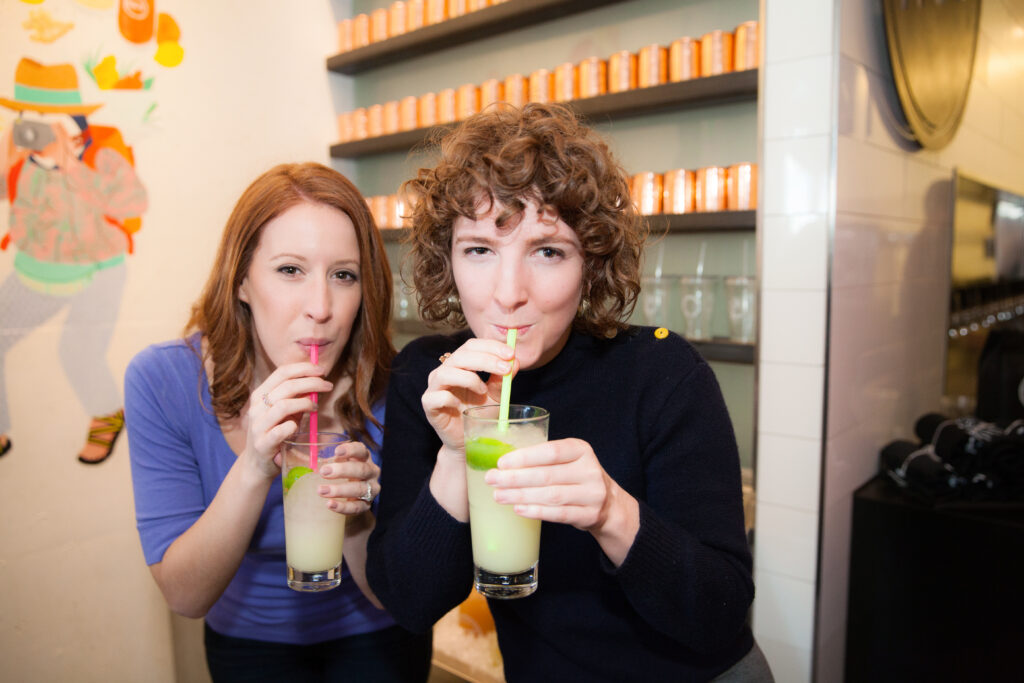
[505, 586]
[312, 582]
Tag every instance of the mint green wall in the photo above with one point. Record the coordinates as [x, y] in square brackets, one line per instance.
[717, 135]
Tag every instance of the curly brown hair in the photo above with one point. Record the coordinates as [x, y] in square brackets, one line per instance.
[542, 153]
[226, 322]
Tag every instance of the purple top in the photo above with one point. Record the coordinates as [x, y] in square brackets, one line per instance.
[179, 458]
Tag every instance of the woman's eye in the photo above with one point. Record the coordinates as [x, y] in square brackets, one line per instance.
[476, 251]
[288, 270]
[550, 252]
[346, 275]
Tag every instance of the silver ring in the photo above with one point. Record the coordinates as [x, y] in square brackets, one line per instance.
[444, 356]
[266, 401]
[368, 496]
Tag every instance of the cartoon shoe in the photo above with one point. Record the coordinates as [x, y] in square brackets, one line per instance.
[103, 432]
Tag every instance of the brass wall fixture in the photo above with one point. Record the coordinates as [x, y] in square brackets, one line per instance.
[931, 48]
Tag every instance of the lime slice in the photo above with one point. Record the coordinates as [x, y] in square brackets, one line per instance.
[293, 475]
[482, 453]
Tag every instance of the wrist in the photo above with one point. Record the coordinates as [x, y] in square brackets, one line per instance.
[619, 526]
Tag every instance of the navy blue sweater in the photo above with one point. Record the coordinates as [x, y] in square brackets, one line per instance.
[653, 413]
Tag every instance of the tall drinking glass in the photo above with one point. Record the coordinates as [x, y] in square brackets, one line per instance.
[313, 533]
[505, 545]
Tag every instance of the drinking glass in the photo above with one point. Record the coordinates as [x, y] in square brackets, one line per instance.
[740, 293]
[659, 301]
[505, 545]
[314, 534]
[697, 302]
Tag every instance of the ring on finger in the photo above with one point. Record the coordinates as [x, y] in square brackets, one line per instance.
[267, 402]
[368, 496]
[444, 357]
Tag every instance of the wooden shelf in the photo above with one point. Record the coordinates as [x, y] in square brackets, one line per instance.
[477, 25]
[738, 85]
[722, 350]
[725, 351]
[707, 221]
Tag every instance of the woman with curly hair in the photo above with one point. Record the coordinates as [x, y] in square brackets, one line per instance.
[526, 223]
[300, 264]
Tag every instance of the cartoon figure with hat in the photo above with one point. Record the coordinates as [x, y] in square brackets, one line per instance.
[75, 202]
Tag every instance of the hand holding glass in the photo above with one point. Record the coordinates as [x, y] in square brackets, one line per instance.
[505, 546]
[314, 533]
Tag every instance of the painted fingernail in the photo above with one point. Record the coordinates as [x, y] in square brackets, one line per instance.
[321, 490]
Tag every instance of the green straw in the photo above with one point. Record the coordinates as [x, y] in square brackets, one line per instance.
[506, 384]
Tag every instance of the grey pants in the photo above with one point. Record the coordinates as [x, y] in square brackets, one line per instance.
[84, 340]
[753, 668]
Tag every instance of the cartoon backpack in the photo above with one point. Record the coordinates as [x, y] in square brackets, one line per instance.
[102, 137]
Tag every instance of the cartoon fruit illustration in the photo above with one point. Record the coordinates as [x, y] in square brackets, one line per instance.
[169, 53]
[167, 29]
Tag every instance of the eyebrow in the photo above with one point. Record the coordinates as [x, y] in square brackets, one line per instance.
[536, 241]
[286, 256]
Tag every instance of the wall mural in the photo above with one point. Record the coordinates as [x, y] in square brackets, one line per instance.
[76, 202]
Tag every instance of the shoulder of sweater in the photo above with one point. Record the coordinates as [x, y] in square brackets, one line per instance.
[173, 353]
[650, 350]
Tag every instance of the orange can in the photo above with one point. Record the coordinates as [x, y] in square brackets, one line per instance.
[379, 25]
[467, 101]
[711, 188]
[541, 89]
[491, 91]
[360, 31]
[135, 20]
[379, 209]
[515, 90]
[679, 191]
[742, 187]
[683, 59]
[396, 18]
[345, 127]
[566, 86]
[715, 53]
[426, 111]
[646, 192]
[344, 35]
[446, 106]
[359, 124]
[375, 120]
[456, 8]
[396, 212]
[437, 11]
[622, 71]
[391, 118]
[407, 119]
[746, 44]
[474, 5]
[415, 14]
[652, 66]
[592, 74]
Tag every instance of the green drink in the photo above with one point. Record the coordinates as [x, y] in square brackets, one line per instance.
[505, 545]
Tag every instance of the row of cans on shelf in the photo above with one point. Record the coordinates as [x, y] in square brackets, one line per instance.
[400, 18]
[715, 53]
[712, 188]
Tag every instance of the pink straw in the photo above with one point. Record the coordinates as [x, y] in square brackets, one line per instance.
[314, 358]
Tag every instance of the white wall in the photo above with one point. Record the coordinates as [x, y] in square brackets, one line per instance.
[77, 600]
[890, 268]
[854, 259]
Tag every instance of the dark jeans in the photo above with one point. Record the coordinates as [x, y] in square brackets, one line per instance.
[391, 655]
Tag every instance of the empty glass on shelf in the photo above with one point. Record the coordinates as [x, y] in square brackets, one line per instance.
[697, 304]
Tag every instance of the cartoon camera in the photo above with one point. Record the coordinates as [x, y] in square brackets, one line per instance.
[32, 134]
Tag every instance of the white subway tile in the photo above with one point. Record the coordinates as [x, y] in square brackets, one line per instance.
[794, 252]
[795, 328]
[790, 399]
[798, 99]
[796, 175]
[798, 28]
[787, 541]
[789, 471]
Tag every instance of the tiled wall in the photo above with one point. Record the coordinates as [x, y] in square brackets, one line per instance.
[797, 156]
[854, 259]
[889, 289]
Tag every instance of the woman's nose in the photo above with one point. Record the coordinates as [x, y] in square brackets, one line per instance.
[510, 291]
[318, 300]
